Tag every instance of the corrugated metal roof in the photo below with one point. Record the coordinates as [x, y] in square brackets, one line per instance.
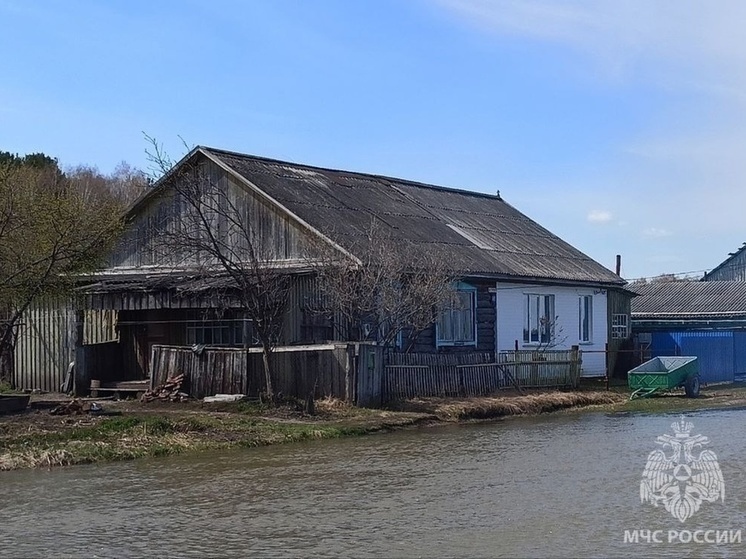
[689, 299]
[478, 233]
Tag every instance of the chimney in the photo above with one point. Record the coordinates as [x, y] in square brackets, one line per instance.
[618, 264]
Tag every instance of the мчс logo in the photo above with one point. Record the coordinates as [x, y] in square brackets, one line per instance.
[681, 481]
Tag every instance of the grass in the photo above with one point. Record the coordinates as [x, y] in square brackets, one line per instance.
[139, 435]
[40, 440]
[486, 407]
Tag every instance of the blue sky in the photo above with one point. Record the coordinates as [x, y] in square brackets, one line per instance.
[619, 126]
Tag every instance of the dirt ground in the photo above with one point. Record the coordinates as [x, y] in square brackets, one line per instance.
[127, 429]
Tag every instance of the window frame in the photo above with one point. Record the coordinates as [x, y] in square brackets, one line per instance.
[616, 327]
[532, 316]
[458, 314]
[229, 332]
[585, 319]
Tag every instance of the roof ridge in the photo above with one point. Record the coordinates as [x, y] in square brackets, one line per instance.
[410, 182]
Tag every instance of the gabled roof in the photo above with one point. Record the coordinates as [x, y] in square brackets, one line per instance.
[725, 263]
[689, 300]
[479, 234]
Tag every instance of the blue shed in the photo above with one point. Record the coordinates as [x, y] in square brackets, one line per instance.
[703, 319]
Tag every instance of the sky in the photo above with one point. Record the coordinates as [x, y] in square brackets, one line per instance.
[618, 126]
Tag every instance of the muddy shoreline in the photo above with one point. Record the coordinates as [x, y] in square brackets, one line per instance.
[126, 430]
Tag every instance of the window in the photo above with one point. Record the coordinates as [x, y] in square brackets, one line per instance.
[619, 326]
[455, 324]
[219, 332]
[585, 319]
[538, 320]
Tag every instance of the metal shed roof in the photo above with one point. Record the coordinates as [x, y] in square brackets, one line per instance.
[692, 300]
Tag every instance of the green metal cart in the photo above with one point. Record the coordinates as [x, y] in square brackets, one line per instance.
[665, 373]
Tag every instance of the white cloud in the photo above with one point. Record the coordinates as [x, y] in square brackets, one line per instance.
[685, 44]
[656, 232]
[599, 216]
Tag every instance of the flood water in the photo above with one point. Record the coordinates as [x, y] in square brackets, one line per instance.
[553, 486]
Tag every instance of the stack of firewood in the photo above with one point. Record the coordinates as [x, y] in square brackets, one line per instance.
[75, 407]
[169, 391]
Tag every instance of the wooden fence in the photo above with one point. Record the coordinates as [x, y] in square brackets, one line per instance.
[542, 369]
[409, 375]
[361, 373]
[324, 369]
[478, 373]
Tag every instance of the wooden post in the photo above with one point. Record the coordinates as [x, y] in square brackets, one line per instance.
[80, 383]
[575, 365]
[349, 373]
[246, 336]
[606, 355]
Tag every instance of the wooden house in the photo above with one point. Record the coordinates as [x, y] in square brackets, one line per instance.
[732, 268]
[520, 285]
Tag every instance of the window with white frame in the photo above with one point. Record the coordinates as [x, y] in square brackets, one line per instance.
[456, 323]
[619, 326]
[538, 319]
[585, 319]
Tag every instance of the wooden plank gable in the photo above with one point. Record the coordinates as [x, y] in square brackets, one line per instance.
[165, 213]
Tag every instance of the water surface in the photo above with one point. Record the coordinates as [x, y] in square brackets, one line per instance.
[553, 486]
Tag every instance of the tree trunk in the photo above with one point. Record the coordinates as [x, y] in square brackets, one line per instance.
[267, 372]
[7, 346]
[6, 365]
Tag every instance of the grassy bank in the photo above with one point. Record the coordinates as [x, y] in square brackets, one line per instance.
[134, 430]
[487, 407]
[40, 440]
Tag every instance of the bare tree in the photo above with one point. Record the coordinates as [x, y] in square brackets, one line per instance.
[217, 242]
[389, 288]
[53, 228]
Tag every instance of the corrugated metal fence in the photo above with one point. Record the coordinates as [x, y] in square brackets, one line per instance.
[721, 354]
[46, 342]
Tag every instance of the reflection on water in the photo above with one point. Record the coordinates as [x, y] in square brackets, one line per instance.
[554, 486]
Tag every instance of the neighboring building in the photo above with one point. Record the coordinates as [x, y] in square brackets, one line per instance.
[702, 319]
[521, 285]
[732, 269]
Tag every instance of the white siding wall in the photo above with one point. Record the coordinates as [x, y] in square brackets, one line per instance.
[510, 309]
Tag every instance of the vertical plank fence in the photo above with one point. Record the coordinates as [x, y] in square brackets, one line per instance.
[411, 375]
[543, 369]
[478, 373]
[324, 369]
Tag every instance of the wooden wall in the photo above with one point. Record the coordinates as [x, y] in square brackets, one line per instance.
[733, 269]
[485, 327]
[619, 357]
[167, 213]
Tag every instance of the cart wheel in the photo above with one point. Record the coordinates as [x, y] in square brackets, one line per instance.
[692, 387]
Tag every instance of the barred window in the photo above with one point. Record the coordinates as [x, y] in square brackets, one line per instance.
[619, 326]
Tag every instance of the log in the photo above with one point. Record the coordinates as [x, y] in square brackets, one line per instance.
[169, 391]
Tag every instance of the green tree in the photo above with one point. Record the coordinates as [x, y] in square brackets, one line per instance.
[54, 227]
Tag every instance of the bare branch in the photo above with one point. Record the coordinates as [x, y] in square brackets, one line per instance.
[398, 289]
[208, 232]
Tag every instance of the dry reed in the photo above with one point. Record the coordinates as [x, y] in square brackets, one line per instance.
[498, 406]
